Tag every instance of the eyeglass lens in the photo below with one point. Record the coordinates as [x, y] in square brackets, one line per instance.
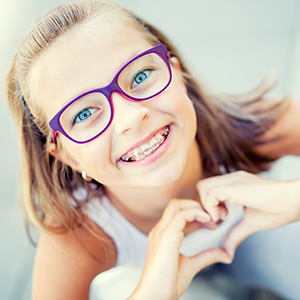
[89, 115]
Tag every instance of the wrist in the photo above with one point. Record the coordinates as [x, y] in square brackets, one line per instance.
[138, 295]
[149, 294]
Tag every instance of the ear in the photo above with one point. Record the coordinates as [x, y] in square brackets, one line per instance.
[175, 63]
[64, 157]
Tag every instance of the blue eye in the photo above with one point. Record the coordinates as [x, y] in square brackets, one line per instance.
[140, 77]
[83, 115]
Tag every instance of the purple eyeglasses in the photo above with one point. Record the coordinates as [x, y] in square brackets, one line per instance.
[90, 114]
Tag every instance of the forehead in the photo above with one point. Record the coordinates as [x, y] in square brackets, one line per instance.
[86, 58]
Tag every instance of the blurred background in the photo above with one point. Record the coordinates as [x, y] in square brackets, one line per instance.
[230, 45]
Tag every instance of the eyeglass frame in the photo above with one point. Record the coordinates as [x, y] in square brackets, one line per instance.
[107, 91]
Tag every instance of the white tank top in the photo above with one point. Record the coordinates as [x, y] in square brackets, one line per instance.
[119, 282]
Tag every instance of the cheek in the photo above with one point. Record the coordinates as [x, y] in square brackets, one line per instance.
[181, 103]
[92, 157]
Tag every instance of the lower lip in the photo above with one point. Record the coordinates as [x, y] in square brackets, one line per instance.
[154, 155]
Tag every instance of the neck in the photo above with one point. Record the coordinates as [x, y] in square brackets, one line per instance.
[143, 207]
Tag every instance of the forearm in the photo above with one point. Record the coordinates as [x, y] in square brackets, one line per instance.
[285, 132]
[294, 195]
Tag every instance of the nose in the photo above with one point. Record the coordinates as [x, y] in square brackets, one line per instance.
[128, 115]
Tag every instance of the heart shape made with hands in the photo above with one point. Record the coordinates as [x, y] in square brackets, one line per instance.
[204, 239]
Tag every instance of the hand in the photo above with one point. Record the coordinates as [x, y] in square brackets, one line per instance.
[167, 273]
[268, 204]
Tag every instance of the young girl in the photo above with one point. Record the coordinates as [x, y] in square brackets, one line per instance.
[115, 135]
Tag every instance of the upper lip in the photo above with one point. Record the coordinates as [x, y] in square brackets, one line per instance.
[144, 141]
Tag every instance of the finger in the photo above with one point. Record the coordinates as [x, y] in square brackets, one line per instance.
[175, 206]
[206, 184]
[223, 212]
[235, 236]
[218, 213]
[178, 223]
[209, 257]
[208, 198]
[213, 205]
[214, 212]
[237, 195]
[229, 187]
[210, 225]
[203, 186]
[189, 266]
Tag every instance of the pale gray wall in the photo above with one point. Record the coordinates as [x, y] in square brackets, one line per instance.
[231, 45]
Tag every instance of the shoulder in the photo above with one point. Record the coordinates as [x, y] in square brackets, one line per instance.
[66, 263]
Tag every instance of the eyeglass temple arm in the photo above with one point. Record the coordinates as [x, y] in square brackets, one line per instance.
[54, 134]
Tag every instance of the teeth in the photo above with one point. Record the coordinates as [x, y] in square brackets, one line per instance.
[125, 158]
[140, 157]
[167, 131]
[146, 149]
[160, 139]
[153, 142]
[137, 152]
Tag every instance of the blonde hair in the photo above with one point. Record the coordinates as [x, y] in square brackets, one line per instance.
[227, 129]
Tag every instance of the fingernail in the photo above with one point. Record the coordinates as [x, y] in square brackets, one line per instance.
[229, 250]
[228, 262]
[214, 217]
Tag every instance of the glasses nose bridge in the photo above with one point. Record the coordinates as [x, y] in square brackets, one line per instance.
[111, 88]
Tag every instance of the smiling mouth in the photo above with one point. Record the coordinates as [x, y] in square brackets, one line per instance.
[145, 150]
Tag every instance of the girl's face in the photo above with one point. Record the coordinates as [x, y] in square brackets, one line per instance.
[89, 58]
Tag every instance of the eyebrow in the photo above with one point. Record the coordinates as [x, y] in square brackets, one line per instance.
[134, 54]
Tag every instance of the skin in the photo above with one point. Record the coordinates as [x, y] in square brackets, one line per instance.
[268, 204]
[142, 193]
[93, 63]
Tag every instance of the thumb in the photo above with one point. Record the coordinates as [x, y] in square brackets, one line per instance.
[235, 236]
[209, 257]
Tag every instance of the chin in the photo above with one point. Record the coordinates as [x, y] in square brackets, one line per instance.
[166, 178]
